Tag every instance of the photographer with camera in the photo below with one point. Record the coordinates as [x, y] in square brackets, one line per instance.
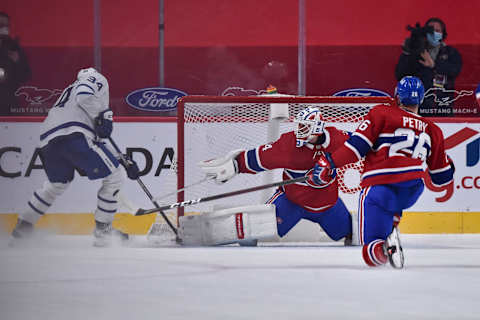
[426, 56]
[14, 67]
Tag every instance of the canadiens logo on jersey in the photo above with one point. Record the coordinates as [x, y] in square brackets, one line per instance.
[316, 186]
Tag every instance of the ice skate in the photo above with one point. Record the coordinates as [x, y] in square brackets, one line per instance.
[21, 233]
[393, 249]
[105, 234]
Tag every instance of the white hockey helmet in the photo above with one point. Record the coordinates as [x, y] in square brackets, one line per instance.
[85, 73]
[309, 125]
[99, 78]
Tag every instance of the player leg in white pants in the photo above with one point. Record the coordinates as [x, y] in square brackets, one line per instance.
[60, 157]
[36, 207]
[107, 203]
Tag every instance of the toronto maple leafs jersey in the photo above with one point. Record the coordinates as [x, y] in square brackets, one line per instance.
[396, 144]
[296, 162]
[76, 108]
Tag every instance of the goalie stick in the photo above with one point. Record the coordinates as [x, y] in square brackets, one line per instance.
[141, 212]
[147, 192]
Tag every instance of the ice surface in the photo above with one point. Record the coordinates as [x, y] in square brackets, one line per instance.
[63, 277]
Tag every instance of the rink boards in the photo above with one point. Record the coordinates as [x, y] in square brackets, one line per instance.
[454, 210]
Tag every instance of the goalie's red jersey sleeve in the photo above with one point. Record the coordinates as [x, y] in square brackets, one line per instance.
[396, 144]
[284, 154]
[296, 162]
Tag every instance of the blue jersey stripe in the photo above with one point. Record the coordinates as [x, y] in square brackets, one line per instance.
[387, 141]
[367, 175]
[66, 125]
[359, 144]
[442, 178]
[253, 161]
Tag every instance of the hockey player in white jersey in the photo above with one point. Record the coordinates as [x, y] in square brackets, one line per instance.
[71, 139]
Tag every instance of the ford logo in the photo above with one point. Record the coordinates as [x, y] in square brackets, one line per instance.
[361, 92]
[154, 99]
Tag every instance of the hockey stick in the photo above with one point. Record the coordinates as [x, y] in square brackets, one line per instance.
[145, 189]
[141, 212]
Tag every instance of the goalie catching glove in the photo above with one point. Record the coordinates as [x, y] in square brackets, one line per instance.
[221, 169]
[324, 171]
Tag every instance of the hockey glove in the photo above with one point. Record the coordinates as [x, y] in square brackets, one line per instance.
[324, 171]
[131, 168]
[104, 124]
[221, 169]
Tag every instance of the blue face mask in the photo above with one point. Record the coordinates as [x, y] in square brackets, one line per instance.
[435, 38]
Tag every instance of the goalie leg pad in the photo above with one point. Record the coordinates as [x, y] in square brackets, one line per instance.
[227, 226]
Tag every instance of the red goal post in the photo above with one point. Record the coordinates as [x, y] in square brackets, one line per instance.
[211, 126]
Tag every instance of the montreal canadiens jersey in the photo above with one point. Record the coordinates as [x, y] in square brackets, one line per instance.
[76, 108]
[296, 162]
[396, 145]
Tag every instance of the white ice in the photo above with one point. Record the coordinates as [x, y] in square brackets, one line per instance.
[64, 277]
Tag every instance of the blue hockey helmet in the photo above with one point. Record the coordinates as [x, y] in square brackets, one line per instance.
[410, 91]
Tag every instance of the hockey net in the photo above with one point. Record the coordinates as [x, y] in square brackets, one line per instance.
[211, 126]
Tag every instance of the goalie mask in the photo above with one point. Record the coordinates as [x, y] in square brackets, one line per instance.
[309, 125]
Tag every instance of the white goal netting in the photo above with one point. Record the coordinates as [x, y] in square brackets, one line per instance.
[210, 127]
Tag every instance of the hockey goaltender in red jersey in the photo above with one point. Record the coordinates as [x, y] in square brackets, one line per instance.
[296, 152]
[396, 143]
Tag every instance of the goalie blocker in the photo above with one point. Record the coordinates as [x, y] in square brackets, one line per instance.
[227, 226]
